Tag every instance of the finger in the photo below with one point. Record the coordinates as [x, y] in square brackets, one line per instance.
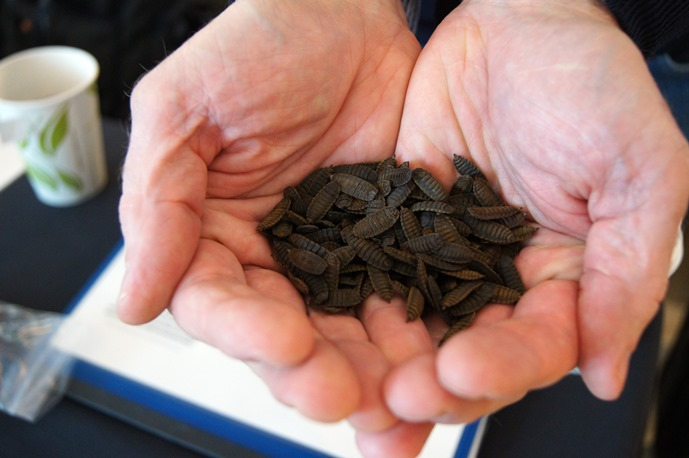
[550, 256]
[324, 387]
[619, 297]
[160, 240]
[233, 224]
[348, 335]
[160, 217]
[402, 440]
[535, 347]
[253, 315]
[414, 394]
[387, 327]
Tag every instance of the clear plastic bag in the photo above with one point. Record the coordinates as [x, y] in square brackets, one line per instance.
[33, 373]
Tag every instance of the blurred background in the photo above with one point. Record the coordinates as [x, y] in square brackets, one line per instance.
[128, 37]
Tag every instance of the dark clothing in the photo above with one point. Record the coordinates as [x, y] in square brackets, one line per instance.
[652, 24]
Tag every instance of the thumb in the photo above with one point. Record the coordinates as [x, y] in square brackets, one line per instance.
[164, 183]
[626, 264]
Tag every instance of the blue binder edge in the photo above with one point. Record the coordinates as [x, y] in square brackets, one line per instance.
[210, 422]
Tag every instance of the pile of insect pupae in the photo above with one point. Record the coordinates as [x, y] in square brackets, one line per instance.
[347, 231]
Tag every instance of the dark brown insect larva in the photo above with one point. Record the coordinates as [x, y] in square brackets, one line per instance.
[299, 284]
[345, 253]
[496, 212]
[447, 230]
[398, 195]
[344, 298]
[455, 252]
[353, 267]
[432, 206]
[295, 218]
[400, 255]
[421, 277]
[399, 288]
[427, 243]
[460, 293]
[513, 221]
[378, 203]
[363, 171]
[327, 234]
[332, 271]
[462, 185]
[429, 185]
[477, 299]
[523, 233]
[347, 231]
[355, 186]
[305, 243]
[460, 324]
[415, 303]
[491, 253]
[370, 252]
[318, 288]
[435, 294]
[464, 274]
[490, 231]
[485, 194]
[410, 224]
[404, 269]
[438, 263]
[282, 230]
[275, 214]
[307, 261]
[505, 295]
[384, 186]
[507, 270]
[322, 201]
[381, 282]
[314, 182]
[396, 176]
[365, 288]
[487, 271]
[465, 167]
[280, 250]
[376, 223]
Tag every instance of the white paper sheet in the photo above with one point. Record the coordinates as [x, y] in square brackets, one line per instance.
[160, 355]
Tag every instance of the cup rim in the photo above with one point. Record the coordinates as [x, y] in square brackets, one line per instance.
[87, 80]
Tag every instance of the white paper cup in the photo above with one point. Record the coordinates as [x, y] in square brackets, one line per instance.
[49, 107]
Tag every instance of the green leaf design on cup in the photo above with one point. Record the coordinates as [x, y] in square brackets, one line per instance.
[54, 132]
[39, 175]
[71, 180]
[23, 143]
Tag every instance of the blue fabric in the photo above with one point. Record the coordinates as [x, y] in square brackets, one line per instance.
[673, 80]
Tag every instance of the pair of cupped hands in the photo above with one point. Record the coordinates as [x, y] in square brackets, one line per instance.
[550, 99]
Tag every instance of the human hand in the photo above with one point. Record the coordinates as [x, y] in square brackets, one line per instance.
[255, 101]
[556, 106]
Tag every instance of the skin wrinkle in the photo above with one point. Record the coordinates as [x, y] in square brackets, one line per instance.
[250, 253]
[375, 107]
[472, 131]
[541, 202]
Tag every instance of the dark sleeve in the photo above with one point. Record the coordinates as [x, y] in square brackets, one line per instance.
[652, 24]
